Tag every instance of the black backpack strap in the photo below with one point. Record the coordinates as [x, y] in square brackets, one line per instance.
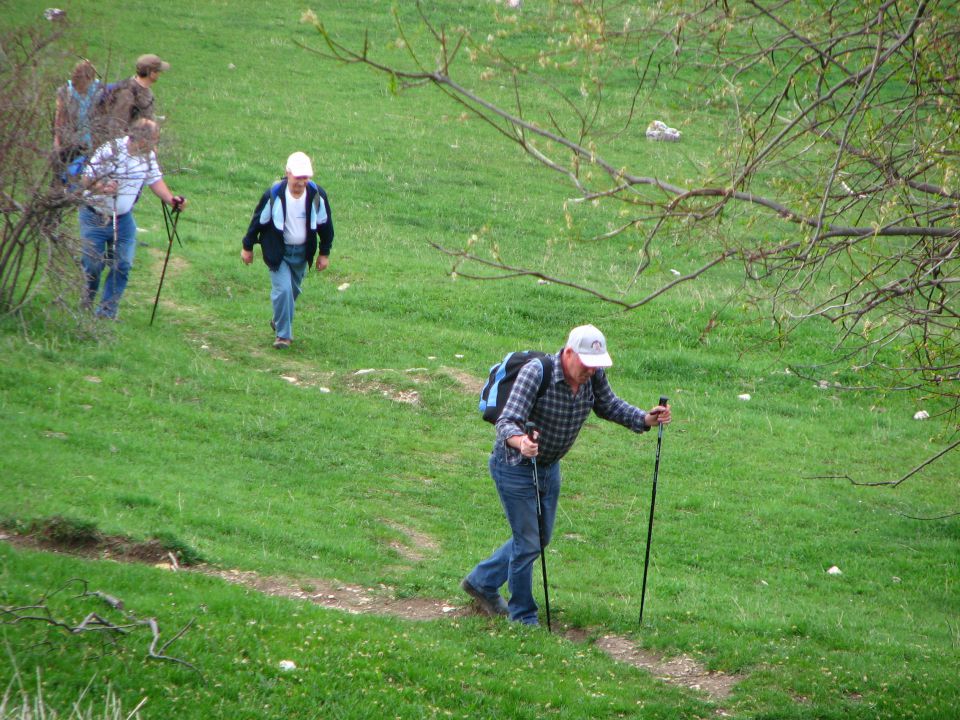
[546, 363]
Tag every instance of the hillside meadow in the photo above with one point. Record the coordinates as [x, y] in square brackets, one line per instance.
[357, 459]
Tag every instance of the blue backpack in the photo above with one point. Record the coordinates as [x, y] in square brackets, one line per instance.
[503, 375]
[71, 175]
[108, 95]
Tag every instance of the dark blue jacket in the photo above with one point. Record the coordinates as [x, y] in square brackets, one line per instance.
[266, 226]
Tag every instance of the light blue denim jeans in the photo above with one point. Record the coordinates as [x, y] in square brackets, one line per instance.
[512, 562]
[285, 284]
[99, 251]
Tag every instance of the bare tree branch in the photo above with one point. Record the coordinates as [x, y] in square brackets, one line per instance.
[892, 483]
[94, 622]
[842, 129]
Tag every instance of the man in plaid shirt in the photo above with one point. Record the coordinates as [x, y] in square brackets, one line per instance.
[577, 386]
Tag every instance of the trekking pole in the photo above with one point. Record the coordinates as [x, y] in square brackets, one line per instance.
[110, 256]
[113, 247]
[653, 502]
[531, 428]
[170, 223]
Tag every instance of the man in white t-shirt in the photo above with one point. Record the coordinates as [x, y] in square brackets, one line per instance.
[113, 180]
[291, 223]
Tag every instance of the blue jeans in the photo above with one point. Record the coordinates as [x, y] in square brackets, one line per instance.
[512, 562]
[285, 284]
[99, 250]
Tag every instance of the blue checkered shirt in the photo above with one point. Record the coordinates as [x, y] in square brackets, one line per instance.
[559, 414]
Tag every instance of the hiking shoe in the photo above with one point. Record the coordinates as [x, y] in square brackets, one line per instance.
[281, 343]
[492, 607]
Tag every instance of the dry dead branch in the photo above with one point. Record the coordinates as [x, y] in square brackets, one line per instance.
[127, 622]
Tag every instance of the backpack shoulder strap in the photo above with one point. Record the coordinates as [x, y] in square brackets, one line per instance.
[267, 210]
[546, 365]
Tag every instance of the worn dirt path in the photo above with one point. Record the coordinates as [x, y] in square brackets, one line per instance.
[683, 671]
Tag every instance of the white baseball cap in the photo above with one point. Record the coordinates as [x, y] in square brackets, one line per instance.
[299, 165]
[590, 346]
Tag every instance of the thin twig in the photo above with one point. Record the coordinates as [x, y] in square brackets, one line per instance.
[890, 483]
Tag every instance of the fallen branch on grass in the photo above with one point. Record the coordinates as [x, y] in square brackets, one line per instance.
[94, 622]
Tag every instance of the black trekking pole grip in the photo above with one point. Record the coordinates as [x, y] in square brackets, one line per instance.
[530, 428]
[663, 402]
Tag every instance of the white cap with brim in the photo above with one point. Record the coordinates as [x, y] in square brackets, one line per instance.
[590, 346]
[299, 165]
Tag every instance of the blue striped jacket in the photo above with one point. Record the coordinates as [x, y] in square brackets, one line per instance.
[266, 225]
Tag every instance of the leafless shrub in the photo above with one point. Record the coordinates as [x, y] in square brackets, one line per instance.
[34, 244]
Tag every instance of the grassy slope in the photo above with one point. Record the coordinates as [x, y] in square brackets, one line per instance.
[187, 427]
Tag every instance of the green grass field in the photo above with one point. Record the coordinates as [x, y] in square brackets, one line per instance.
[295, 465]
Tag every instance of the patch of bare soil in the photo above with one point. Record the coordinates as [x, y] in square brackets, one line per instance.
[303, 375]
[104, 547]
[418, 545]
[471, 384]
[341, 596]
[362, 381]
[371, 380]
[682, 671]
[175, 265]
